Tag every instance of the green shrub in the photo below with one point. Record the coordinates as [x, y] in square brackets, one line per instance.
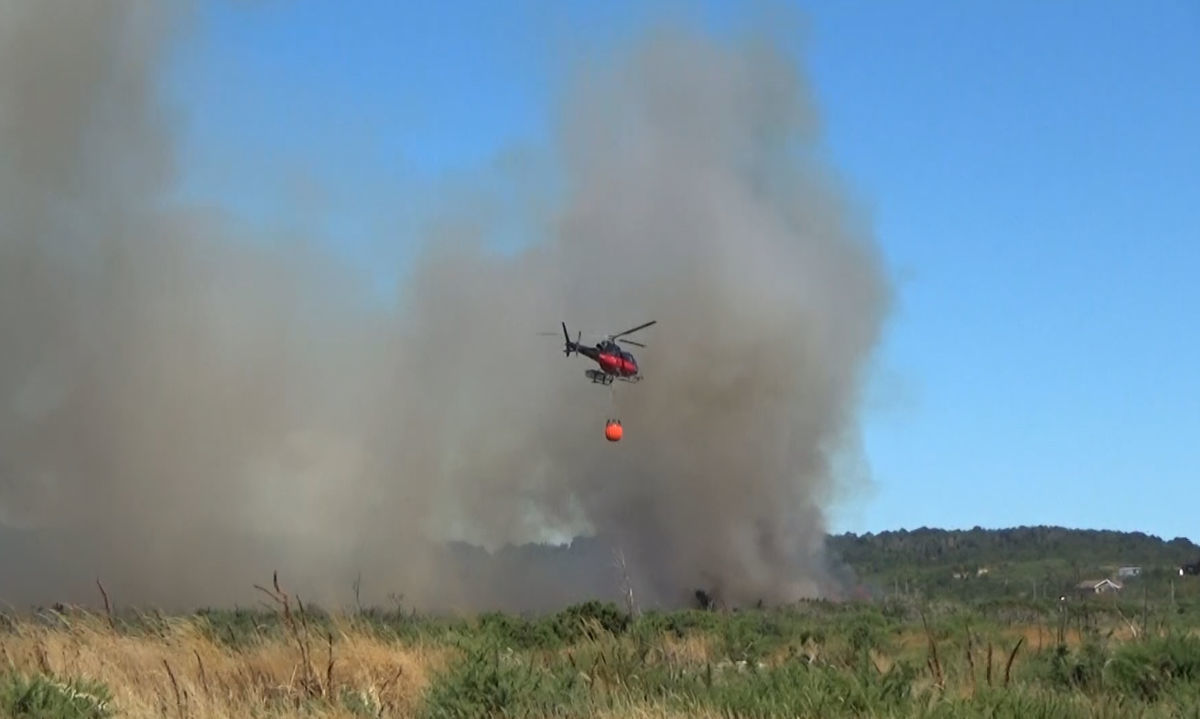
[45, 697]
[753, 635]
[567, 626]
[1080, 669]
[359, 703]
[800, 689]
[679, 623]
[490, 681]
[572, 623]
[516, 632]
[1147, 669]
[237, 628]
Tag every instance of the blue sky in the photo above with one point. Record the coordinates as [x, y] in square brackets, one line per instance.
[1032, 171]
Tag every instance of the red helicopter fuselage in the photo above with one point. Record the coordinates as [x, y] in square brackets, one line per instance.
[612, 359]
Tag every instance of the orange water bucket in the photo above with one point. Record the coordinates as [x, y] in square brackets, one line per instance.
[613, 430]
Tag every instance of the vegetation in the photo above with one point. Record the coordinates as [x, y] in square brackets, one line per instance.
[1019, 563]
[1084, 547]
[898, 655]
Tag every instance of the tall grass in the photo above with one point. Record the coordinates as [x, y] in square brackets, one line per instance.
[815, 659]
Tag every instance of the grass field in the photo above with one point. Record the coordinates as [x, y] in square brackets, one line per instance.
[1090, 658]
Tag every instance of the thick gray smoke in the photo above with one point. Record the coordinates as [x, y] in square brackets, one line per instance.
[184, 410]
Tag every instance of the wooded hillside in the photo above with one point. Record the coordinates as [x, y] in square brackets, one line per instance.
[1019, 561]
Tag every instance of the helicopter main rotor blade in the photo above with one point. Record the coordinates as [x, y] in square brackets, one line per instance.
[635, 329]
[631, 342]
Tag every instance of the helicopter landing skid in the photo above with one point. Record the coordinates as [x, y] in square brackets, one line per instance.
[598, 377]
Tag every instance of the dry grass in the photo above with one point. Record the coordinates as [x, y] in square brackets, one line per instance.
[694, 649]
[658, 712]
[296, 664]
[181, 672]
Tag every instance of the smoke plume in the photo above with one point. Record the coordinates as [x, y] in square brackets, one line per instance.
[184, 409]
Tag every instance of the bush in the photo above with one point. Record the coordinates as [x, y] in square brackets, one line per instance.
[48, 698]
[491, 682]
[800, 689]
[516, 632]
[567, 626]
[571, 623]
[1147, 669]
[1081, 669]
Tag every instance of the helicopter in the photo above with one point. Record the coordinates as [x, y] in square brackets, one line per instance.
[615, 362]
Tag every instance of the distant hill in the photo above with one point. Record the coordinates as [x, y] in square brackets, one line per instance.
[1028, 561]
[943, 547]
[1018, 562]
[1015, 563]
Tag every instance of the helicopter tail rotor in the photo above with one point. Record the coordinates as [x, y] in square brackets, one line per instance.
[569, 344]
